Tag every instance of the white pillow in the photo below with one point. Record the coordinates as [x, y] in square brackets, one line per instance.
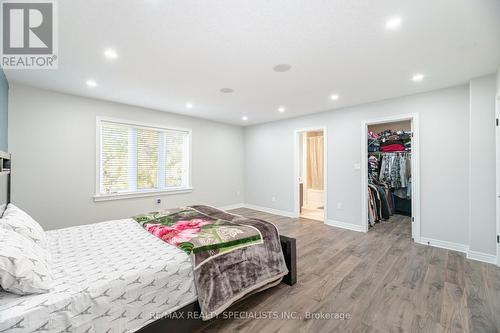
[24, 266]
[17, 220]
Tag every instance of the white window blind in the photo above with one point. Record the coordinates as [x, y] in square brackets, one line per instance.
[135, 159]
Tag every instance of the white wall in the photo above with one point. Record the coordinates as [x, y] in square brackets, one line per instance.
[482, 165]
[444, 160]
[53, 143]
[4, 96]
[498, 80]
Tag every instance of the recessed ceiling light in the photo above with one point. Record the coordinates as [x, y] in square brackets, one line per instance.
[334, 97]
[281, 109]
[417, 77]
[244, 118]
[393, 23]
[189, 105]
[280, 68]
[91, 83]
[226, 90]
[110, 54]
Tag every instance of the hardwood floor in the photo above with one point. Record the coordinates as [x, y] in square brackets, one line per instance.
[381, 279]
[313, 214]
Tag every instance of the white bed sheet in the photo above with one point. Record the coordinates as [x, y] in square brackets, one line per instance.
[108, 277]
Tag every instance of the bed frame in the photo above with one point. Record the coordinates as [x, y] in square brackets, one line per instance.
[182, 320]
[5, 179]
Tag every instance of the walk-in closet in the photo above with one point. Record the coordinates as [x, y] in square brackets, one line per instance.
[389, 173]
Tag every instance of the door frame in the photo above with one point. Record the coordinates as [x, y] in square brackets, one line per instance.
[415, 169]
[497, 144]
[297, 160]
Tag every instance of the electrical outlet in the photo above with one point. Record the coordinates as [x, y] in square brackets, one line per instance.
[158, 201]
[340, 205]
[273, 199]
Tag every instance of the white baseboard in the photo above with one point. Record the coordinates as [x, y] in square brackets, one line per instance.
[481, 256]
[234, 206]
[444, 244]
[271, 210]
[345, 225]
[473, 255]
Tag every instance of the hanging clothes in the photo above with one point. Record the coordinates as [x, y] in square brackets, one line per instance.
[394, 170]
[380, 203]
[373, 170]
[389, 174]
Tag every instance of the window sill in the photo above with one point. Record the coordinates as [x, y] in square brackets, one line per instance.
[144, 194]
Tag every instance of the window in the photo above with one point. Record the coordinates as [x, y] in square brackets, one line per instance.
[136, 160]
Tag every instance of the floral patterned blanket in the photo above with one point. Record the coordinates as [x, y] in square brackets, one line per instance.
[232, 256]
[195, 232]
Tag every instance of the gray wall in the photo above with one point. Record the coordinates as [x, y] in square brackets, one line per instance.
[52, 138]
[443, 158]
[498, 80]
[482, 165]
[4, 96]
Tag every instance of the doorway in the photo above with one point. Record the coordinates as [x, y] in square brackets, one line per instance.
[311, 174]
[390, 172]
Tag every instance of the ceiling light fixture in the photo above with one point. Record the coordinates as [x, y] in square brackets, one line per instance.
[417, 77]
[110, 54]
[393, 23]
[91, 83]
[189, 105]
[244, 118]
[334, 97]
[281, 109]
[226, 90]
[280, 68]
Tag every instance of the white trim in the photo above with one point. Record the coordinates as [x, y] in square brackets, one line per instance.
[185, 188]
[470, 254]
[271, 210]
[469, 169]
[345, 225]
[296, 161]
[141, 194]
[415, 168]
[497, 197]
[481, 256]
[444, 244]
[234, 206]
[141, 124]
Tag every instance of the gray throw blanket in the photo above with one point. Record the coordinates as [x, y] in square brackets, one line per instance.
[232, 256]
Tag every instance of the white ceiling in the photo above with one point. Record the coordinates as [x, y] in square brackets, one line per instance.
[178, 51]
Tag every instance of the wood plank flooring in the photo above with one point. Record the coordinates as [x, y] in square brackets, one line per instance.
[313, 214]
[382, 280]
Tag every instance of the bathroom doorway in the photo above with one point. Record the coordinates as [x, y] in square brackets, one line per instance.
[311, 174]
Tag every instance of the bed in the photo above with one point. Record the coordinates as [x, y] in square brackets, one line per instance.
[111, 276]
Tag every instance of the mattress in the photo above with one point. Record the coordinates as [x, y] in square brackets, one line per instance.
[108, 277]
